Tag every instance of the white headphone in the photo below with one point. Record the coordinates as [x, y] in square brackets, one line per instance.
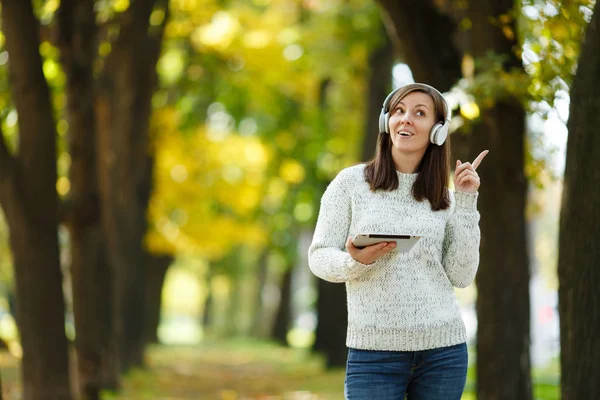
[438, 133]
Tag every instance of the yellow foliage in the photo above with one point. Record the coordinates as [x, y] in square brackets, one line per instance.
[121, 5]
[63, 186]
[469, 110]
[50, 6]
[292, 171]
[219, 33]
[205, 191]
[213, 185]
[285, 140]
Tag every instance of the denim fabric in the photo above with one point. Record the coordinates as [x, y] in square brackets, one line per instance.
[436, 374]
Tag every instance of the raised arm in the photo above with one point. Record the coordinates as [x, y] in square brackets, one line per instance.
[461, 240]
[462, 236]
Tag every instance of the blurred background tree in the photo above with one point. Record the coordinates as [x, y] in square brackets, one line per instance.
[28, 197]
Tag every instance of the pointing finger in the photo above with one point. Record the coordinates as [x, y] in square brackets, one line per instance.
[480, 158]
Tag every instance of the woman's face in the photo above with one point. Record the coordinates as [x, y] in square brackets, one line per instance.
[410, 123]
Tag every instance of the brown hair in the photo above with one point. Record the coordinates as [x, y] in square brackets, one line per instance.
[434, 169]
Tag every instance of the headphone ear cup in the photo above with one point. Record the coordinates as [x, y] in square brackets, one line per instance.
[438, 134]
[387, 122]
[442, 135]
[384, 121]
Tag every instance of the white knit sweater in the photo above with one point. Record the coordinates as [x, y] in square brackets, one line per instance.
[403, 301]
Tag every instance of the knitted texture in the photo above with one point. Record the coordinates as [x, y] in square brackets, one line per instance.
[403, 301]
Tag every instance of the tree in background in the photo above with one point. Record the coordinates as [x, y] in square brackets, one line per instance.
[109, 55]
[125, 165]
[29, 199]
[108, 52]
[503, 358]
[579, 254]
[90, 272]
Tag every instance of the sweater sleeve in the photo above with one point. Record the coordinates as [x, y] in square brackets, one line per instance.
[461, 240]
[327, 258]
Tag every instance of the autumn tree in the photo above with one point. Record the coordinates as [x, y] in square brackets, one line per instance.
[109, 55]
[125, 164]
[29, 199]
[90, 273]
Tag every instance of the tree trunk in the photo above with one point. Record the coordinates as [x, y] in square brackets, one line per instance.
[331, 332]
[89, 267]
[424, 38]
[503, 339]
[381, 64]
[29, 199]
[123, 110]
[284, 310]
[503, 360]
[579, 255]
[92, 312]
[157, 270]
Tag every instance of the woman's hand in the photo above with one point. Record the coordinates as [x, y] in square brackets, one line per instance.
[369, 254]
[466, 178]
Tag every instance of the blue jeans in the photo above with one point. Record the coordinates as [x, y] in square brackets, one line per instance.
[436, 374]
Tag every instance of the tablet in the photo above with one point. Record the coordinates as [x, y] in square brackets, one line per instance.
[403, 242]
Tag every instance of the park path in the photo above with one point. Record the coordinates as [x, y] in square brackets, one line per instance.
[219, 370]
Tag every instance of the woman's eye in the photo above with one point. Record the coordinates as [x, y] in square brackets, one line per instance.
[421, 113]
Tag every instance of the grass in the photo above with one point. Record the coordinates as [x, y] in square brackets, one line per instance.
[243, 369]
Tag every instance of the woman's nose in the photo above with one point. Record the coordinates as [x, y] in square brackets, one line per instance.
[406, 118]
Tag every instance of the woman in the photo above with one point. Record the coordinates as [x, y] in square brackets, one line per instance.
[405, 332]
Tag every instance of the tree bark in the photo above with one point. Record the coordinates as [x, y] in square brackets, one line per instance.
[503, 314]
[381, 63]
[123, 110]
[89, 269]
[503, 338]
[29, 199]
[157, 270]
[424, 38]
[579, 256]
